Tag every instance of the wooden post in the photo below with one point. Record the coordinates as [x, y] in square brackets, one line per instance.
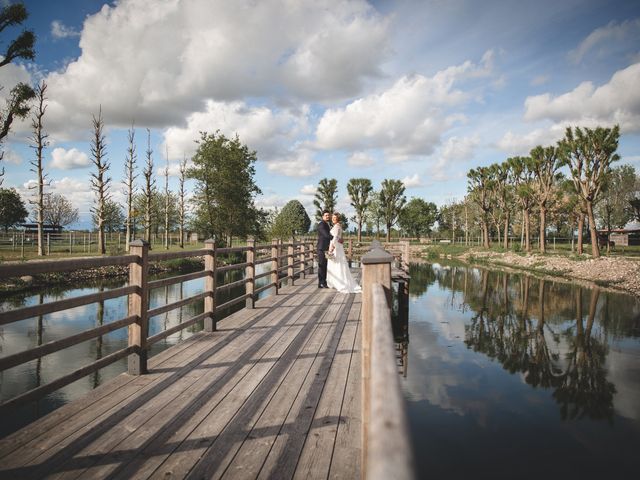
[311, 256]
[210, 285]
[250, 272]
[303, 260]
[350, 251]
[376, 268]
[139, 306]
[290, 259]
[274, 264]
[405, 255]
[48, 244]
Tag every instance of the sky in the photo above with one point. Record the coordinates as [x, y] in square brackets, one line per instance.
[419, 91]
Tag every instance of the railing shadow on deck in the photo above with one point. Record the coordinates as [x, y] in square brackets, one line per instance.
[286, 265]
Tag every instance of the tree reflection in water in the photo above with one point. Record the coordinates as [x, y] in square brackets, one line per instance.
[525, 324]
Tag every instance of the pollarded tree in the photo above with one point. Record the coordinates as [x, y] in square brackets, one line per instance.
[59, 211]
[21, 47]
[326, 196]
[417, 217]
[149, 190]
[40, 142]
[392, 200]
[480, 185]
[166, 202]
[522, 177]
[182, 210]
[291, 221]
[12, 208]
[375, 212]
[130, 176]
[99, 179]
[589, 154]
[225, 188]
[545, 163]
[360, 190]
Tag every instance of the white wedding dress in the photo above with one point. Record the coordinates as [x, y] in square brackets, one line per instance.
[338, 273]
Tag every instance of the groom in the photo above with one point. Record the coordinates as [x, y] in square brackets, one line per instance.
[324, 238]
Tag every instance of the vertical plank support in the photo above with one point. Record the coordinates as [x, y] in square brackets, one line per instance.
[303, 260]
[290, 259]
[274, 264]
[250, 272]
[376, 269]
[210, 285]
[139, 306]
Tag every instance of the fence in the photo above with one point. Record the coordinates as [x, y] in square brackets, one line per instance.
[295, 263]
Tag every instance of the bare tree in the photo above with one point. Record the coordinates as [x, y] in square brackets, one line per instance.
[99, 179]
[166, 202]
[40, 142]
[182, 210]
[149, 187]
[130, 181]
[59, 211]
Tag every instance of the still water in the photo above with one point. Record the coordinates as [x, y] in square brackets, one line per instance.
[512, 377]
[29, 333]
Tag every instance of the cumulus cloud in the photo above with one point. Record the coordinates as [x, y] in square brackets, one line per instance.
[77, 192]
[60, 30]
[412, 181]
[456, 148]
[165, 65]
[360, 159]
[308, 190]
[407, 119]
[522, 143]
[270, 133]
[617, 101]
[68, 159]
[611, 37]
[297, 164]
[12, 157]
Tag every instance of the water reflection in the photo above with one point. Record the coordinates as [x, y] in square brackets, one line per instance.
[494, 354]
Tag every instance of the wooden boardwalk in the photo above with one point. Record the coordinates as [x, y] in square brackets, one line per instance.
[274, 393]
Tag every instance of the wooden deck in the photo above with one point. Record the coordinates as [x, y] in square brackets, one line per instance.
[274, 393]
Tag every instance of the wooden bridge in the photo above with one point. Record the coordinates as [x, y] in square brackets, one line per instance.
[300, 384]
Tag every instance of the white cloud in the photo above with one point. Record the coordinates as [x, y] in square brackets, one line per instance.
[617, 101]
[308, 190]
[360, 159]
[77, 192]
[68, 159]
[407, 119]
[165, 64]
[271, 133]
[60, 30]
[412, 181]
[605, 39]
[539, 80]
[459, 148]
[12, 157]
[299, 164]
[522, 143]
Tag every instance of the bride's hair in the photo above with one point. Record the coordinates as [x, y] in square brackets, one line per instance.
[336, 214]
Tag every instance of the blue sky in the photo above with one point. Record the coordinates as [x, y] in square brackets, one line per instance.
[419, 91]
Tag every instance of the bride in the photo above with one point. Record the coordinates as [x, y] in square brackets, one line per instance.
[338, 273]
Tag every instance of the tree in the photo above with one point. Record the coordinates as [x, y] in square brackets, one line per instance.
[545, 163]
[417, 217]
[166, 202]
[21, 47]
[40, 142]
[130, 182]
[114, 217]
[59, 211]
[615, 207]
[392, 200]
[149, 191]
[12, 208]
[99, 179]
[326, 196]
[225, 188]
[182, 212]
[292, 220]
[360, 190]
[375, 212]
[589, 154]
[480, 184]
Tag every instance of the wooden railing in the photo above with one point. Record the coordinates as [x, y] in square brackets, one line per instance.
[386, 449]
[299, 261]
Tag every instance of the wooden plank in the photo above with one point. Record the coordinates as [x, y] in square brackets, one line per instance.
[50, 307]
[315, 458]
[347, 450]
[257, 442]
[283, 457]
[188, 435]
[33, 267]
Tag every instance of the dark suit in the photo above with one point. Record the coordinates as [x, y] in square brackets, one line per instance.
[324, 238]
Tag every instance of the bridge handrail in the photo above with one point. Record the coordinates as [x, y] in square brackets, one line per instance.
[386, 449]
[298, 254]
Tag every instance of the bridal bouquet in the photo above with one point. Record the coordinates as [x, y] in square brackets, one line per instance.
[330, 255]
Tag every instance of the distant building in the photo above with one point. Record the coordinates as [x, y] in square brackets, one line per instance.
[46, 228]
[621, 237]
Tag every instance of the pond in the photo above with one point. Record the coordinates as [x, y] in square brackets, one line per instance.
[29, 333]
[511, 376]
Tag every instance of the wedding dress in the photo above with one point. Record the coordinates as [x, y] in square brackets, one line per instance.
[338, 273]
